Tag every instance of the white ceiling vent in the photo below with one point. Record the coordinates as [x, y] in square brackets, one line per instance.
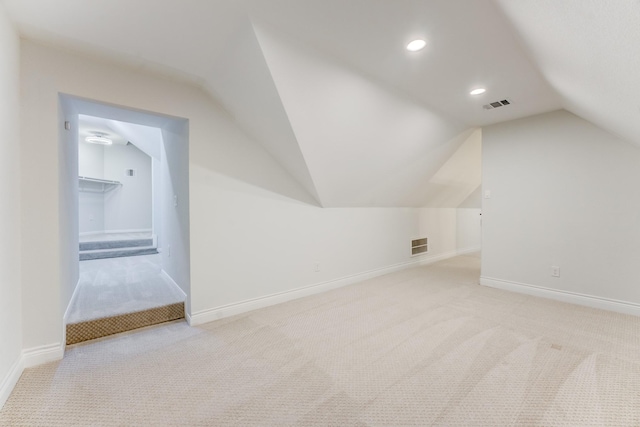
[492, 105]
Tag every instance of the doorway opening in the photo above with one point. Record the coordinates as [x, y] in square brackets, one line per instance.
[128, 178]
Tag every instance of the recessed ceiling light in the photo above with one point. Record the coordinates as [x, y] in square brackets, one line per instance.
[478, 91]
[416, 45]
[98, 140]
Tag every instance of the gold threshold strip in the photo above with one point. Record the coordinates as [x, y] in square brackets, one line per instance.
[98, 328]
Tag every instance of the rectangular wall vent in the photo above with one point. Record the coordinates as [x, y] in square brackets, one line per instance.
[497, 104]
[419, 246]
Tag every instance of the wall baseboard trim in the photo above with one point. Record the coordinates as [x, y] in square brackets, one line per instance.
[166, 275]
[135, 230]
[89, 233]
[28, 358]
[430, 259]
[187, 317]
[469, 250]
[72, 301]
[42, 354]
[10, 380]
[427, 259]
[209, 315]
[66, 314]
[564, 296]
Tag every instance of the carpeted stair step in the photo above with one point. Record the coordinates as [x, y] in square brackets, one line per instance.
[115, 244]
[117, 253]
[98, 328]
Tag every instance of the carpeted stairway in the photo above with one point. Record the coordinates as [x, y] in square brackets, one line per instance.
[116, 248]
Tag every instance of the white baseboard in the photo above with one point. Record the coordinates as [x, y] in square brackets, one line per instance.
[10, 380]
[136, 230]
[133, 230]
[187, 305]
[72, 301]
[89, 233]
[29, 358]
[564, 296]
[43, 354]
[66, 314]
[209, 315]
[166, 275]
[35, 356]
[469, 250]
[427, 258]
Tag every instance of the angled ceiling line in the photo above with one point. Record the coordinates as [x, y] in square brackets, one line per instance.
[289, 66]
[316, 193]
[241, 82]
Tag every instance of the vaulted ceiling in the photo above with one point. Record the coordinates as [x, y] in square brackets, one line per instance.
[328, 89]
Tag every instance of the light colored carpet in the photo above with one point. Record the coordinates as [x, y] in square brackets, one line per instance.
[426, 346]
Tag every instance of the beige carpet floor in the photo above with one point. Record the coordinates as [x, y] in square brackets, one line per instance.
[425, 346]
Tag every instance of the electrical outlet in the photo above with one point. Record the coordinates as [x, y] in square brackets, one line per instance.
[555, 271]
[316, 267]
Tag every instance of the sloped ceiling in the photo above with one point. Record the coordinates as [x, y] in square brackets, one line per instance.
[327, 88]
[589, 52]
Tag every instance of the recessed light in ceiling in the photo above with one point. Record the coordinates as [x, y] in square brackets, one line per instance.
[98, 139]
[416, 45]
[478, 91]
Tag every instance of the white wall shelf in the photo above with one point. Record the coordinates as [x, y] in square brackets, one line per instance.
[96, 185]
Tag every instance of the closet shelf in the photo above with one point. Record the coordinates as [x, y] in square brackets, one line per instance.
[96, 185]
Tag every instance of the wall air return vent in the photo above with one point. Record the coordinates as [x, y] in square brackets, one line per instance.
[497, 104]
[419, 246]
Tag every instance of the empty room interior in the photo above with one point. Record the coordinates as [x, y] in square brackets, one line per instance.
[319, 212]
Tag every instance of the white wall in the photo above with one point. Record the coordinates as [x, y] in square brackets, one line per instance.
[10, 218]
[148, 140]
[90, 160]
[91, 204]
[250, 236]
[249, 243]
[91, 212]
[127, 207]
[468, 229]
[563, 193]
[439, 225]
[68, 218]
[173, 212]
[450, 231]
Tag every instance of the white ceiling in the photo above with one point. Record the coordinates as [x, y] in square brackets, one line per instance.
[328, 89]
[589, 52]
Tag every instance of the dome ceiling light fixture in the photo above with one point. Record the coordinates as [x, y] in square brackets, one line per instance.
[478, 91]
[99, 138]
[416, 45]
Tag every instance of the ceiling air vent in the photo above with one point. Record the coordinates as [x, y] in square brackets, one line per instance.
[496, 104]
